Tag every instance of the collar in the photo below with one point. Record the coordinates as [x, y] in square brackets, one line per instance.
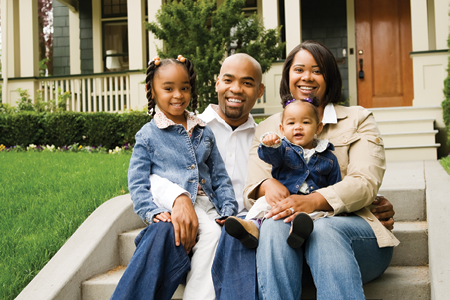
[319, 145]
[163, 122]
[329, 115]
[211, 114]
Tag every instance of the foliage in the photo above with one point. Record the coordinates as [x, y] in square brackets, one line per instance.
[445, 162]
[45, 198]
[67, 128]
[205, 33]
[24, 103]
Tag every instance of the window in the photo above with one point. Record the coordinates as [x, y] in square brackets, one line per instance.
[250, 7]
[114, 8]
[115, 35]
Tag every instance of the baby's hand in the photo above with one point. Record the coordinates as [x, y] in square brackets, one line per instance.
[271, 139]
[164, 216]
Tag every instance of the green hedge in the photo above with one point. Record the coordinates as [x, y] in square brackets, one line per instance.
[446, 102]
[66, 128]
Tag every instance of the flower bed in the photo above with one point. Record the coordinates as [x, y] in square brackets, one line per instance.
[127, 148]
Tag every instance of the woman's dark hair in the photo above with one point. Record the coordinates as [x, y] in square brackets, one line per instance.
[328, 66]
[153, 69]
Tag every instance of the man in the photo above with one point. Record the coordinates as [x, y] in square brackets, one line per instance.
[159, 264]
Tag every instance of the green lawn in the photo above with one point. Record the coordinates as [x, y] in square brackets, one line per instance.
[44, 198]
[445, 162]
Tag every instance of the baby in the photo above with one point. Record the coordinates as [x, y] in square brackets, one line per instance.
[300, 161]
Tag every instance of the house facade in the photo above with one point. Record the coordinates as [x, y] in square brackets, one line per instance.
[391, 53]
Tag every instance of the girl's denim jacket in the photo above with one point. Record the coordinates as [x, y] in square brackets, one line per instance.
[290, 168]
[186, 161]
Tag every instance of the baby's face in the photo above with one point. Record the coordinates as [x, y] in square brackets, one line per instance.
[299, 124]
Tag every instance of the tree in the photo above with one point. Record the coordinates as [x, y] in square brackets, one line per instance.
[205, 33]
[45, 23]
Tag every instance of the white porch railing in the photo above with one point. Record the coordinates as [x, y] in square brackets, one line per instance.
[90, 93]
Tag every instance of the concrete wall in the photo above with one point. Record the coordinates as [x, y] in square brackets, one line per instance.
[61, 36]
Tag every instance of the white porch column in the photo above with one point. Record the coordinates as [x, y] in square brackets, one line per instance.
[97, 38]
[419, 25]
[293, 24]
[442, 23]
[270, 13]
[136, 37]
[29, 33]
[74, 36]
[153, 42]
[136, 52]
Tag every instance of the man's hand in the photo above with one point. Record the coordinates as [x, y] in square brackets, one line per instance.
[384, 211]
[271, 139]
[185, 222]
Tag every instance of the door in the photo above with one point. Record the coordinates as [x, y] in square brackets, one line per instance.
[383, 44]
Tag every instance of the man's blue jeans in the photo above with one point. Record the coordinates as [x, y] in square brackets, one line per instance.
[158, 267]
[342, 253]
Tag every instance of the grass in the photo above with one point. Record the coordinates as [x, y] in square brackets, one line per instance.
[445, 162]
[44, 198]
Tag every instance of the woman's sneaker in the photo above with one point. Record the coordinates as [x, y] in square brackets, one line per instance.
[301, 228]
[245, 231]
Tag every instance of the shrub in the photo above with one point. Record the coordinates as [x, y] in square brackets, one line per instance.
[67, 128]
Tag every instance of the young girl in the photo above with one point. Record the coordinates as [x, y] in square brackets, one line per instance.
[300, 162]
[178, 146]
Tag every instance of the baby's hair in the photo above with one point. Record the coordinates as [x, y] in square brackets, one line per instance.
[312, 100]
[153, 68]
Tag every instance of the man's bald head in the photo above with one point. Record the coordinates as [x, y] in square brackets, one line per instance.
[241, 58]
[238, 87]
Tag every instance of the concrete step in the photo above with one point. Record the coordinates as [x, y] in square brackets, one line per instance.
[396, 283]
[412, 152]
[409, 138]
[404, 186]
[413, 250]
[102, 287]
[407, 125]
[397, 113]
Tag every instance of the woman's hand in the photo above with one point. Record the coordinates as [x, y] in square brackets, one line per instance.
[384, 211]
[185, 222]
[299, 203]
[273, 190]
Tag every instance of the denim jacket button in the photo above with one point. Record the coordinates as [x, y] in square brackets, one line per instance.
[203, 181]
[192, 167]
[211, 194]
[297, 186]
[311, 187]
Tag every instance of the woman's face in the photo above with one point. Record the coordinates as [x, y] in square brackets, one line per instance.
[305, 77]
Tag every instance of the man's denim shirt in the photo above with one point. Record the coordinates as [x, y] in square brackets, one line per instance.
[290, 169]
[186, 161]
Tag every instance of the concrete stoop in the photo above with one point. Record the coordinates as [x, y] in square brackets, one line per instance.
[409, 132]
[420, 268]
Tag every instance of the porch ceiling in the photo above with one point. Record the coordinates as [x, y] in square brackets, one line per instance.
[71, 4]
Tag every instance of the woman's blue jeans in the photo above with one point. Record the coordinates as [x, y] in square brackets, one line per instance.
[158, 267]
[342, 253]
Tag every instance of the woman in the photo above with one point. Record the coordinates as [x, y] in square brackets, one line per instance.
[343, 252]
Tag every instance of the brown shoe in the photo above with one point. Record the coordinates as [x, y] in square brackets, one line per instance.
[245, 231]
[301, 228]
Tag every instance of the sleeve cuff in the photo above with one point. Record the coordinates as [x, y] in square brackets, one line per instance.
[151, 214]
[266, 134]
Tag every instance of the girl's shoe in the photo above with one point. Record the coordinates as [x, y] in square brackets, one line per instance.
[245, 231]
[301, 228]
